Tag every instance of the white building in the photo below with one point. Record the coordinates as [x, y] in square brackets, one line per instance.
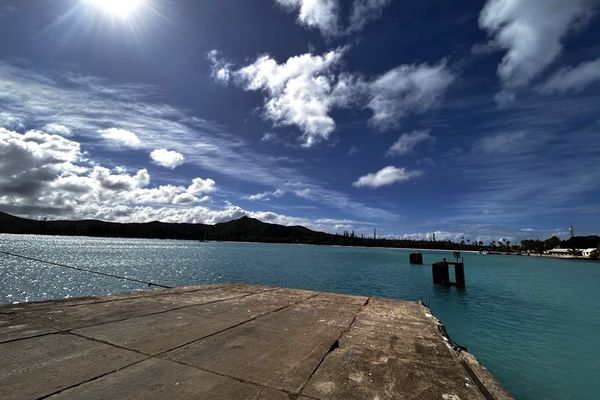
[587, 252]
[570, 253]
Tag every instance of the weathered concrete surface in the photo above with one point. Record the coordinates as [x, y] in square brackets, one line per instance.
[175, 381]
[232, 342]
[39, 366]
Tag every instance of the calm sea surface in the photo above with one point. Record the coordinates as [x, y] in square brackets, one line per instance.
[535, 323]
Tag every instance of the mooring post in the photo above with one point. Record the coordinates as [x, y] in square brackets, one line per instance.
[459, 274]
[440, 272]
[416, 258]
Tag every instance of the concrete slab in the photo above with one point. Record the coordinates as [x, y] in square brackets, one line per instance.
[71, 301]
[176, 382]
[36, 367]
[373, 374]
[158, 333]
[12, 328]
[280, 350]
[384, 357]
[233, 341]
[94, 313]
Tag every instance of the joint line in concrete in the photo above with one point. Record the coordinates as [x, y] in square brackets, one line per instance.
[58, 330]
[235, 326]
[92, 379]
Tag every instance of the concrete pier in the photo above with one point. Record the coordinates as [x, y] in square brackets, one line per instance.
[233, 342]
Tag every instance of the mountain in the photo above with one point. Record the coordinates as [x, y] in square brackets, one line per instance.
[243, 229]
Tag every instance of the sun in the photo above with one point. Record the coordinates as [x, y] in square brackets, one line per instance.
[118, 8]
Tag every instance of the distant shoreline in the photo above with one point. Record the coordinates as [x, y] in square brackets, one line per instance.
[317, 244]
[251, 230]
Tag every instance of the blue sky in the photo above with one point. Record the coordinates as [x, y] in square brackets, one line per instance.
[475, 119]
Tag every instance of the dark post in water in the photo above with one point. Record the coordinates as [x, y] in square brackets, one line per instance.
[416, 258]
[441, 273]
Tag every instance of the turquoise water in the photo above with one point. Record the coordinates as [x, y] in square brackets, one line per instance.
[535, 323]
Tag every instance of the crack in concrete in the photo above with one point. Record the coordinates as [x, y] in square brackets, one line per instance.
[335, 344]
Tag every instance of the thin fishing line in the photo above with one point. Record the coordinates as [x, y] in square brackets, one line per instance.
[86, 270]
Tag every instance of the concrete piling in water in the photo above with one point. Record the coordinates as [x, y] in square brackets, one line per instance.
[441, 273]
[459, 273]
[416, 258]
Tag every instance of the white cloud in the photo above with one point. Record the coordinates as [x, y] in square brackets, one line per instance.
[117, 182]
[306, 88]
[167, 158]
[408, 141]
[407, 89]
[385, 176]
[321, 14]
[220, 70]
[325, 15]
[300, 91]
[265, 196]
[574, 79]
[43, 171]
[531, 32]
[30, 160]
[57, 129]
[201, 186]
[121, 136]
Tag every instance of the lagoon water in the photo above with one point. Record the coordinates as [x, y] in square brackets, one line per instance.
[534, 322]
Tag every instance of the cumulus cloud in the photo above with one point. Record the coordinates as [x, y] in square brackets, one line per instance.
[201, 186]
[300, 91]
[325, 15]
[385, 176]
[305, 89]
[531, 32]
[408, 141]
[41, 170]
[167, 158]
[121, 136]
[574, 79]
[30, 160]
[407, 89]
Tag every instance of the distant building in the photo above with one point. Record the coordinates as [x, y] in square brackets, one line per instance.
[587, 252]
[559, 252]
[570, 253]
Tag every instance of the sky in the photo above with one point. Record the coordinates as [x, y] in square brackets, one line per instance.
[471, 119]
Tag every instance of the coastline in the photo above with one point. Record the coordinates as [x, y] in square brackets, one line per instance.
[571, 258]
